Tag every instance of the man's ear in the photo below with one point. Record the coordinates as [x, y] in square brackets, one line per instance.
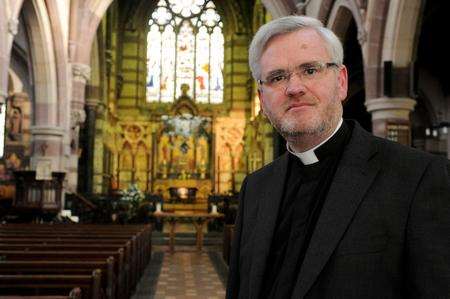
[342, 83]
[261, 99]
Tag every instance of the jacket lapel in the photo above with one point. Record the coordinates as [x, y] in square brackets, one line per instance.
[269, 203]
[354, 175]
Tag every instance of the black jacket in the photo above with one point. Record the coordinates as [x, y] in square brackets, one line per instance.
[383, 232]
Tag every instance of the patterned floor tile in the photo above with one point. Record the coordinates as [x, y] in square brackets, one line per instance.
[184, 274]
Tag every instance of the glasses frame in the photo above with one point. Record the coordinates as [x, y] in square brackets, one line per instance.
[324, 65]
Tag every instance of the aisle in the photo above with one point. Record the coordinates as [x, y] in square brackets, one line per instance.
[184, 274]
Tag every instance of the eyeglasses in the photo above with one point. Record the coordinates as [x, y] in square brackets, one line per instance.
[306, 72]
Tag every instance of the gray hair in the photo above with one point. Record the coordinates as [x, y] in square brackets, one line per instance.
[286, 25]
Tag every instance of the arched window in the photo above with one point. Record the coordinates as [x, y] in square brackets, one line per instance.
[185, 46]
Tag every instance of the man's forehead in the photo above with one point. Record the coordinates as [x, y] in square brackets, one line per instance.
[301, 38]
[293, 49]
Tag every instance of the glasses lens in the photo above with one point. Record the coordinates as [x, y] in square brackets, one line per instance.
[306, 72]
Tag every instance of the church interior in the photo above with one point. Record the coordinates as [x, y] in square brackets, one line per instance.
[135, 122]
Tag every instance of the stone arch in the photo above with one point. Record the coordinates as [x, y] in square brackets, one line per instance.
[346, 21]
[321, 9]
[399, 44]
[340, 17]
[234, 19]
[15, 84]
[430, 79]
[4, 57]
[61, 59]
[83, 32]
[279, 8]
[401, 31]
[46, 130]
[95, 65]
[43, 62]
[373, 48]
[8, 28]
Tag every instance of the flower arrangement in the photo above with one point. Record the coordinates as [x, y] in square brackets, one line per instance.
[131, 199]
[132, 195]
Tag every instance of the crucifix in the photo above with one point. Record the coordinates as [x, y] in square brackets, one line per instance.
[43, 148]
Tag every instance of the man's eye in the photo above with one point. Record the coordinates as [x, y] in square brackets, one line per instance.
[277, 78]
[310, 71]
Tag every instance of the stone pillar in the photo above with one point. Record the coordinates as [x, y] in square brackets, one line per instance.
[5, 52]
[2, 121]
[3, 97]
[81, 74]
[390, 118]
[91, 106]
[448, 144]
[47, 146]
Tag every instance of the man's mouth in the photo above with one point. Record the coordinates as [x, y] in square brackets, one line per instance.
[299, 106]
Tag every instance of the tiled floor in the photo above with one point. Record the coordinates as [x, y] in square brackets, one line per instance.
[183, 274]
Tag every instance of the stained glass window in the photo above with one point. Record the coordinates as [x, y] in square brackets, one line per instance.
[185, 46]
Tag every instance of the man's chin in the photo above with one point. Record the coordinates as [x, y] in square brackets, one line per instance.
[300, 131]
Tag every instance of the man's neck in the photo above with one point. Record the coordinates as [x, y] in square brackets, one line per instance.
[312, 142]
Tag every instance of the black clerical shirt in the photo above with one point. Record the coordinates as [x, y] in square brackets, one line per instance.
[306, 187]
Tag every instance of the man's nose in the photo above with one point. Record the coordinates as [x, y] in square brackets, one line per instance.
[295, 86]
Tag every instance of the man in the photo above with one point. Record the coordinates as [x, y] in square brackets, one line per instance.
[343, 214]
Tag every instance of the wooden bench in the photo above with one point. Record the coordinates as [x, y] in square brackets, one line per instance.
[117, 258]
[140, 243]
[130, 252]
[75, 293]
[83, 240]
[44, 285]
[142, 233]
[129, 267]
[131, 260]
[108, 279]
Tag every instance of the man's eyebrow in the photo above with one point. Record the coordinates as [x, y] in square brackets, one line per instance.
[283, 71]
[276, 72]
[308, 63]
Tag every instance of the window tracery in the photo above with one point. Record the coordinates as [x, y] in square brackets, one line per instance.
[185, 46]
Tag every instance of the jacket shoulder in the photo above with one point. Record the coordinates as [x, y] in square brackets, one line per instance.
[398, 152]
[269, 168]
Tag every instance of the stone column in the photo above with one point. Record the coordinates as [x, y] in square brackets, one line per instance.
[2, 121]
[5, 52]
[448, 144]
[47, 146]
[81, 74]
[91, 107]
[3, 96]
[393, 112]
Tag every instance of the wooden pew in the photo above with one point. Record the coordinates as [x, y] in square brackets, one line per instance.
[130, 251]
[75, 237]
[51, 284]
[128, 266]
[75, 293]
[141, 242]
[108, 279]
[141, 232]
[121, 291]
[140, 245]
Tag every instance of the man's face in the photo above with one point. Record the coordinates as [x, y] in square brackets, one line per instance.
[302, 108]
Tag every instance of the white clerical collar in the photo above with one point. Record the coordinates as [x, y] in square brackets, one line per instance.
[309, 157]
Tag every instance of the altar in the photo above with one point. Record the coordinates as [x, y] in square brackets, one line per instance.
[178, 194]
[198, 219]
